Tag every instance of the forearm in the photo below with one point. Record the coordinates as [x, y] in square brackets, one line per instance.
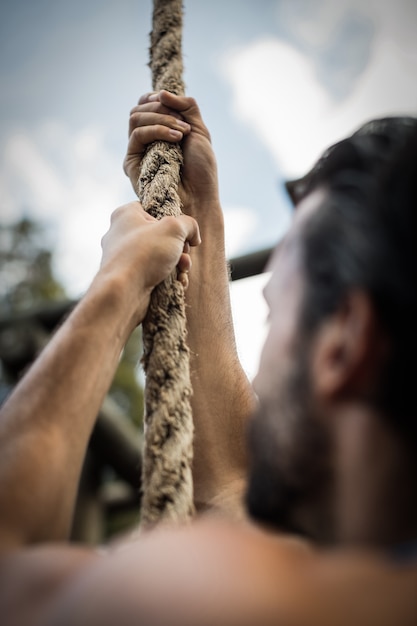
[222, 395]
[46, 423]
[222, 398]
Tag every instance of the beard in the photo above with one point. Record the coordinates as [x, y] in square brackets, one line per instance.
[290, 469]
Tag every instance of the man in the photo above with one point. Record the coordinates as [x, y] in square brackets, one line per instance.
[331, 449]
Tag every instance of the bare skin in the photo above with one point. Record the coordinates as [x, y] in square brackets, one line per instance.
[222, 396]
[46, 423]
[212, 572]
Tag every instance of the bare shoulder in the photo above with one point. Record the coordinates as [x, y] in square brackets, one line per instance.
[211, 572]
[31, 578]
[214, 572]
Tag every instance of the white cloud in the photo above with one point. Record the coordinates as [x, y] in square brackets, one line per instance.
[316, 22]
[28, 179]
[250, 320]
[72, 182]
[277, 93]
[239, 224]
[313, 22]
[387, 86]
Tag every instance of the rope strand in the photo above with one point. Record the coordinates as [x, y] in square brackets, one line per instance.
[167, 478]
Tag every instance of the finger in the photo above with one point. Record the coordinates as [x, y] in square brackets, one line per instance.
[183, 268]
[153, 96]
[187, 107]
[131, 209]
[192, 232]
[148, 217]
[183, 278]
[142, 136]
[155, 107]
[142, 119]
[146, 96]
[184, 227]
[182, 104]
[184, 263]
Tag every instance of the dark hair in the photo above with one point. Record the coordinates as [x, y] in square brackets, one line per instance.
[366, 150]
[364, 236]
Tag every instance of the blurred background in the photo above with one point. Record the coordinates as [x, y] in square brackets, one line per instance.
[277, 82]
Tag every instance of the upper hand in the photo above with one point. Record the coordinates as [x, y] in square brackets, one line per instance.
[164, 116]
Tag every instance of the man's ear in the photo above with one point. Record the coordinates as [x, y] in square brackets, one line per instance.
[348, 349]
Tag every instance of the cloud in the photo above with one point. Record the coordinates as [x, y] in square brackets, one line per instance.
[69, 181]
[276, 93]
[313, 23]
[239, 225]
[250, 319]
[72, 183]
[27, 179]
[276, 90]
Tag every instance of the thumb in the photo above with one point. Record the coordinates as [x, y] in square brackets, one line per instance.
[184, 227]
[188, 107]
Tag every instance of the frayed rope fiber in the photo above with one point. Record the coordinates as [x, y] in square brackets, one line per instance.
[166, 475]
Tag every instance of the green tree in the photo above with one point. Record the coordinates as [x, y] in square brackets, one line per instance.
[27, 282]
[29, 293]
[126, 389]
[26, 275]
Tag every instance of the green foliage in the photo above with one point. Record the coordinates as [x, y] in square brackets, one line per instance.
[27, 282]
[26, 275]
[126, 389]
[28, 285]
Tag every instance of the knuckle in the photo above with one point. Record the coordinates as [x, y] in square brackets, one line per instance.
[169, 120]
[135, 120]
[171, 222]
[155, 107]
[134, 110]
[144, 97]
[136, 133]
[192, 102]
[135, 116]
[116, 214]
[162, 131]
[174, 226]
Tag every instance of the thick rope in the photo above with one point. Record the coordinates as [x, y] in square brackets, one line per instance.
[166, 479]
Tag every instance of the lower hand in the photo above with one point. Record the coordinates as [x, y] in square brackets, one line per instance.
[141, 251]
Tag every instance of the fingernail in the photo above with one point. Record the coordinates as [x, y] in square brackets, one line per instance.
[154, 97]
[176, 134]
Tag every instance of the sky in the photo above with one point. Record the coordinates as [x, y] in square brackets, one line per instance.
[277, 81]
